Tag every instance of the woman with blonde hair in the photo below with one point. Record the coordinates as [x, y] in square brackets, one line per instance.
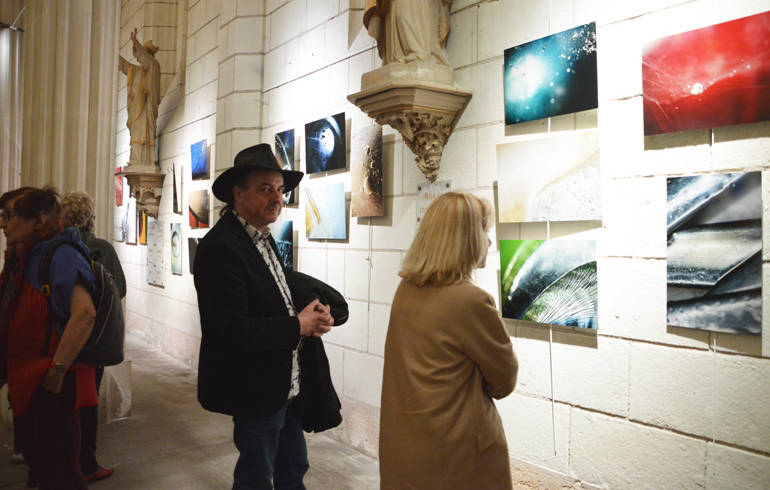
[447, 354]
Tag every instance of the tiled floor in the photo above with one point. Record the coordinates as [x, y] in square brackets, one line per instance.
[170, 442]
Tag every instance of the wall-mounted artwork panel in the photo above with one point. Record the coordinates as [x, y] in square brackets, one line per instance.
[177, 171]
[284, 151]
[199, 208]
[551, 76]
[550, 179]
[176, 249]
[283, 234]
[709, 77]
[714, 253]
[366, 172]
[192, 247]
[199, 162]
[118, 187]
[130, 221]
[325, 211]
[141, 226]
[550, 281]
[325, 144]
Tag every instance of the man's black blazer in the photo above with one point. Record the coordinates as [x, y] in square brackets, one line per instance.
[247, 333]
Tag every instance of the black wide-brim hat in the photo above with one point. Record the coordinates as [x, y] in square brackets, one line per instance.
[253, 158]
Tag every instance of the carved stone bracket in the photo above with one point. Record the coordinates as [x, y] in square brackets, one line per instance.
[424, 114]
[146, 185]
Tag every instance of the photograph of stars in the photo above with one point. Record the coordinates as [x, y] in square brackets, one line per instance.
[284, 151]
[555, 178]
[325, 144]
[550, 281]
[551, 76]
[709, 77]
[714, 252]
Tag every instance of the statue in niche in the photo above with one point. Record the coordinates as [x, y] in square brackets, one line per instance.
[143, 100]
[409, 30]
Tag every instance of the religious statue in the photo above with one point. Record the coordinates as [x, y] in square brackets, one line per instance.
[143, 100]
[409, 30]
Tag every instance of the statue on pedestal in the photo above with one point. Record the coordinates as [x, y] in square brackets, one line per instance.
[409, 30]
[143, 100]
[143, 86]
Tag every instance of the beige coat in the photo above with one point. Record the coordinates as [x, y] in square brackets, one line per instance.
[447, 355]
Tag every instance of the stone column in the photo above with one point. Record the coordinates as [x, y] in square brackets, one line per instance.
[11, 48]
[70, 87]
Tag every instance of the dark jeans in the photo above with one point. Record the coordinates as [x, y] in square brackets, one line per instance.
[272, 451]
[89, 421]
[50, 438]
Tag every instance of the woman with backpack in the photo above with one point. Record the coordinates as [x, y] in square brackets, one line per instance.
[42, 331]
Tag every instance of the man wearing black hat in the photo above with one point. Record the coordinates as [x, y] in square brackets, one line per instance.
[251, 331]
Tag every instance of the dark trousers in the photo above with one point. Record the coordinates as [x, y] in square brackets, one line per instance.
[272, 451]
[50, 438]
[89, 421]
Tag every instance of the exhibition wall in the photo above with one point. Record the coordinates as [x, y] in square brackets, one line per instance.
[633, 403]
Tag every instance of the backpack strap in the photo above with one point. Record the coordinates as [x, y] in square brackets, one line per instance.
[44, 280]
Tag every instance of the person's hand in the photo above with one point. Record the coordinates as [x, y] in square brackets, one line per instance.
[314, 319]
[53, 382]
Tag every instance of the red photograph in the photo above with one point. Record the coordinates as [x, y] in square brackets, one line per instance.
[714, 76]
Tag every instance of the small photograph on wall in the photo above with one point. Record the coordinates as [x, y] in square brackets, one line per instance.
[714, 252]
[178, 183]
[119, 232]
[550, 179]
[130, 221]
[283, 234]
[156, 263]
[176, 249]
[366, 172]
[284, 152]
[141, 226]
[199, 208]
[192, 246]
[199, 161]
[325, 211]
[551, 76]
[118, 187]
[325, 144]
[550, 281]
[709, 77]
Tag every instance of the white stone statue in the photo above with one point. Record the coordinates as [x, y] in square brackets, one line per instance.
[409, 30]
[143, 101]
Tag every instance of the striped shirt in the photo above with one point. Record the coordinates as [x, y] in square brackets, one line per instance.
[262, 242]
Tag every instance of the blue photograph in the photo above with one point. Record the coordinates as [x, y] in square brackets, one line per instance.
[284, 151]
[199, 160]
[325, 144]
[551, 76]
[283, 234]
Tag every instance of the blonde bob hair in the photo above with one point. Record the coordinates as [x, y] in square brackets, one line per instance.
[451, 240]
[77, 210]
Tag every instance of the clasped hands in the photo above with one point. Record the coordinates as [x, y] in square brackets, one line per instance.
[315, 319]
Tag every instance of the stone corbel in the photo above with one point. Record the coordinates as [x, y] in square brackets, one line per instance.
[146, 184]
[424, 114]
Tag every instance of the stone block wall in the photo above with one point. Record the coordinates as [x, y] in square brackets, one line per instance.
[636, 404]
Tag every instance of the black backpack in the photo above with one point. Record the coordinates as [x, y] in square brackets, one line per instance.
[105, 344]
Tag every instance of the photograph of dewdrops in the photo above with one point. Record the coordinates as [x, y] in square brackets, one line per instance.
[551, 76]
[714, 253]
[366, 172]
[550, 281]
[284, 151]
[325, 144]
[709, 77]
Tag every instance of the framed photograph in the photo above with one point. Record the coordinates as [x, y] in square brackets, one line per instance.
[199, 162]
[198, 208]
[176, 249]
[284, 152]
[551, 76]
[130, 221]
[325, 211]
[325, 144]
[366, 198]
